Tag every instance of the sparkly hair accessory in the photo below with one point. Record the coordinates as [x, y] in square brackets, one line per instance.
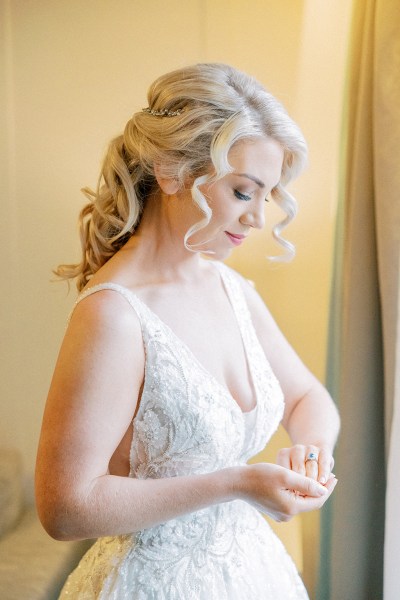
[164, 112]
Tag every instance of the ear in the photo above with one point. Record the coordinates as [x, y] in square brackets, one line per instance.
[167, 184]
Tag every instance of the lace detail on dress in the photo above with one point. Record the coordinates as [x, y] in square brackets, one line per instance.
[188, 423]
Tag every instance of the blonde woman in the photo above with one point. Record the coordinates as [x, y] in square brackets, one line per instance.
[172, 373]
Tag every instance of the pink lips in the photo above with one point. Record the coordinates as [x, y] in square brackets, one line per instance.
[235, 238]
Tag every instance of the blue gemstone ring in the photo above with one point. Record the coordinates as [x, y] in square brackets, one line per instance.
[311, 456]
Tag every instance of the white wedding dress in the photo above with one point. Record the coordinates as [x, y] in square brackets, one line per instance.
[188, 423]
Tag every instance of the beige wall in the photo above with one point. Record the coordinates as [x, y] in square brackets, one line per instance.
[71, 74]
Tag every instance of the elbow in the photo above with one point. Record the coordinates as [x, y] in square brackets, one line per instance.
[61, 503]
[59, 517]
[55, 530]
[55, 523]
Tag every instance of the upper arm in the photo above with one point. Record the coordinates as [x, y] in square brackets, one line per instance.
[294, 377]
[93, 394]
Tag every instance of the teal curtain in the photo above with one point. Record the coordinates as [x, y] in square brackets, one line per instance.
[353, 522]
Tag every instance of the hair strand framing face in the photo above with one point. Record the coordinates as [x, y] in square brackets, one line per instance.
[194, 117]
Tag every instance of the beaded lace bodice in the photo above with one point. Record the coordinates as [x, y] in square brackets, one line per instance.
[188, 423]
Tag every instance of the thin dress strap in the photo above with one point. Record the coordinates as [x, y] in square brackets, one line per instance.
[133, 300]
[239, 304]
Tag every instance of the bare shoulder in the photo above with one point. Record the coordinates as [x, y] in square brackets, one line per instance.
[94, 391]
[102, 351]
[105, 334]
[106, 308]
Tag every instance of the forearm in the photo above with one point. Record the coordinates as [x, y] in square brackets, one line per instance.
[119, 505]
[314, 420]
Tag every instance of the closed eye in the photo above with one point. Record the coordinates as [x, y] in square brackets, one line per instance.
[241, 196]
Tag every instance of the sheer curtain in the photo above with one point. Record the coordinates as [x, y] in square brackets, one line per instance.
[360, 544]
[386, 103]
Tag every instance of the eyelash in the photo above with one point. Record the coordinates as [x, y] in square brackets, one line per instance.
[245, 197]
[241, 196]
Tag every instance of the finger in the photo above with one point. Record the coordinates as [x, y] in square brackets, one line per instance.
[305, 485]
[311, 462]
[283, 458]
[307, 503]
[325, 461]
[297, 502]
[331, 484]
[297, 459]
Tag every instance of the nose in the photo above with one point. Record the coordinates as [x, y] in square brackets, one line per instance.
[254, 216]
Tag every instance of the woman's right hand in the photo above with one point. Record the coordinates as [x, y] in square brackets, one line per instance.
[279, 492]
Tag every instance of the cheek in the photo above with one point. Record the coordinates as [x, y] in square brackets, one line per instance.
[223, 207]
[222, 212]
[218, 223]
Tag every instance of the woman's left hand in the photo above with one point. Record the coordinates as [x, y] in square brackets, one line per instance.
[313, 461]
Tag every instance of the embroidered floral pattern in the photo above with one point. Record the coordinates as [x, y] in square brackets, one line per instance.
[187, 423]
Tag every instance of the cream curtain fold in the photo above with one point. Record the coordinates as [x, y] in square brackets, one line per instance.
[386, 132]
[363, 363]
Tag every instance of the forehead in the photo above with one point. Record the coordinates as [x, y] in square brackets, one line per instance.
[260, 157]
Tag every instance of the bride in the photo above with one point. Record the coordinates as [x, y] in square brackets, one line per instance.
[172, 372]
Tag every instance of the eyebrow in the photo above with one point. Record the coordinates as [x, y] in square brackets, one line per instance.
[255, 179]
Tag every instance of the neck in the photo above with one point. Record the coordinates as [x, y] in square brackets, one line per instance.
[158, 244]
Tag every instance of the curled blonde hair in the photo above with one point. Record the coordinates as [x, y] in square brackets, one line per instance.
[218, 106]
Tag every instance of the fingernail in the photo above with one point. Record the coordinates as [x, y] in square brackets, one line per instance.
[322, 480]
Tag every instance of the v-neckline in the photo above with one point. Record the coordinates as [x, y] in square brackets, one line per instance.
[193, 357]
[200, 365]
[186, 348]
